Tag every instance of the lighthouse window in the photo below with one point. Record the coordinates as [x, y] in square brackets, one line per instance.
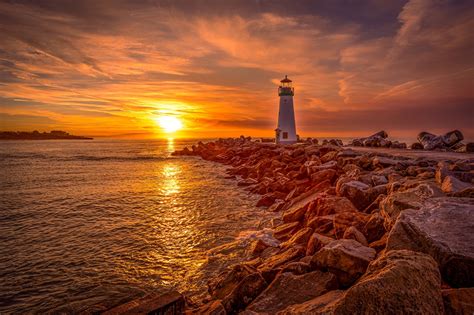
[285, 135]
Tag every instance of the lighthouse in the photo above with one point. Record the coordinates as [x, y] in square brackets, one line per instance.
[285, 133]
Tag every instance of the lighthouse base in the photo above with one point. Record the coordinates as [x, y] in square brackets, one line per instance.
[285, 142]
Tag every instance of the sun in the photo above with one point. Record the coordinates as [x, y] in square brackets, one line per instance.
[169, 123]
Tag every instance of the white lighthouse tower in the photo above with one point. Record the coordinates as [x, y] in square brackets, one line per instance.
[285, 133]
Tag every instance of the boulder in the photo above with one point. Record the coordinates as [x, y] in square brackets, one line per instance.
[400, 282]
[284, 231]
[257, 247]
[453, 137]
[323, 175]
[412, 198]
[212, 308]
[416, 146]
[220, 286]
[288, 289]
[299, 238]
[322, 305]
[354, 234]
[374, 228]
[316, 242]
[356, 192]
[453, 185]
[327, 205]
[347, 259]
[281, 258]
[458, 301]
[444, 229]
[244, 293]
[430, 141]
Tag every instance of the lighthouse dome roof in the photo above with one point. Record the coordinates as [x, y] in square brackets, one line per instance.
[285, 80]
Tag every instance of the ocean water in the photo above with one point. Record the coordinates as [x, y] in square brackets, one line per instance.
[86, 225]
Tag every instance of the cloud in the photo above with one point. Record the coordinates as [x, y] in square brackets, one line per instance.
[115, 64]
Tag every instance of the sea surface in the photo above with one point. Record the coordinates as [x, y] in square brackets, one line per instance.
[86, 225]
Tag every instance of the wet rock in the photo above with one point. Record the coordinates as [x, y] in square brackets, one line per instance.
[379, 180]
[400, 282]
[444, 229]
[321, 305]
[294, 214]
[353, 233]
[257, 247]
[284, 231]
[347, 259]
[244, 293]
[212, 308]
[299, 238]
[281, 258]
[458, 301]
[267, 200]
[225, 282]
[316, 242]
[288, 289]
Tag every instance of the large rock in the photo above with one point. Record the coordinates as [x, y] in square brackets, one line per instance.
[288, 289]
[453, 137]
[452, 185]
[322, 305]
[220, 286]
[400, 282]
[356, 192]
[244, 293]
[316, 242]
[430, 141]
[458, 301]
[281, 258]
[444, 229]
[327, 205]
[412, 198]
[347, 259]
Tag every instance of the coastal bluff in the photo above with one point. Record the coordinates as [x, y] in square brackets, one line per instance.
[363, 229]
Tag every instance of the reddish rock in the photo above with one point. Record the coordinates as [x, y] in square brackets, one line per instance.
[374, 228]
[225, 282]
[212, 308]
[244, 293]
[284, 231]
[316, 242]
[357, 192]
[458, 301]
[294, 214]
[267, 200]
[452, 185]
[347, 259]
[289, 289]
[344, 220]
[257, 247]
[281, 258]
[400, 282]
[326, 205]
[321, 305]
[299, 238]
[323, 224]
[355, 234]
[442, 228]
[323, 175]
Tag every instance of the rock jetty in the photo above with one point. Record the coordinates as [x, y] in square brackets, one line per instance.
[360, 232]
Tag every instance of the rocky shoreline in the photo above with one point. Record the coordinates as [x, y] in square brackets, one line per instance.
[360, 232]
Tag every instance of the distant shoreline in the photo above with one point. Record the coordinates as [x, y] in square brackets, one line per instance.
[35, 135]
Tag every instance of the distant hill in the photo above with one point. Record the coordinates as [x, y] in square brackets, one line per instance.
[36, 135]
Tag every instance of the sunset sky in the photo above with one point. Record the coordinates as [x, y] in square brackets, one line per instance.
[113, 68]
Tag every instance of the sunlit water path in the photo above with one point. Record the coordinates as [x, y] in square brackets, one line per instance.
[85, 225]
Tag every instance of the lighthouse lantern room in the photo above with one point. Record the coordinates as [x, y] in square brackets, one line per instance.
[285, 133]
